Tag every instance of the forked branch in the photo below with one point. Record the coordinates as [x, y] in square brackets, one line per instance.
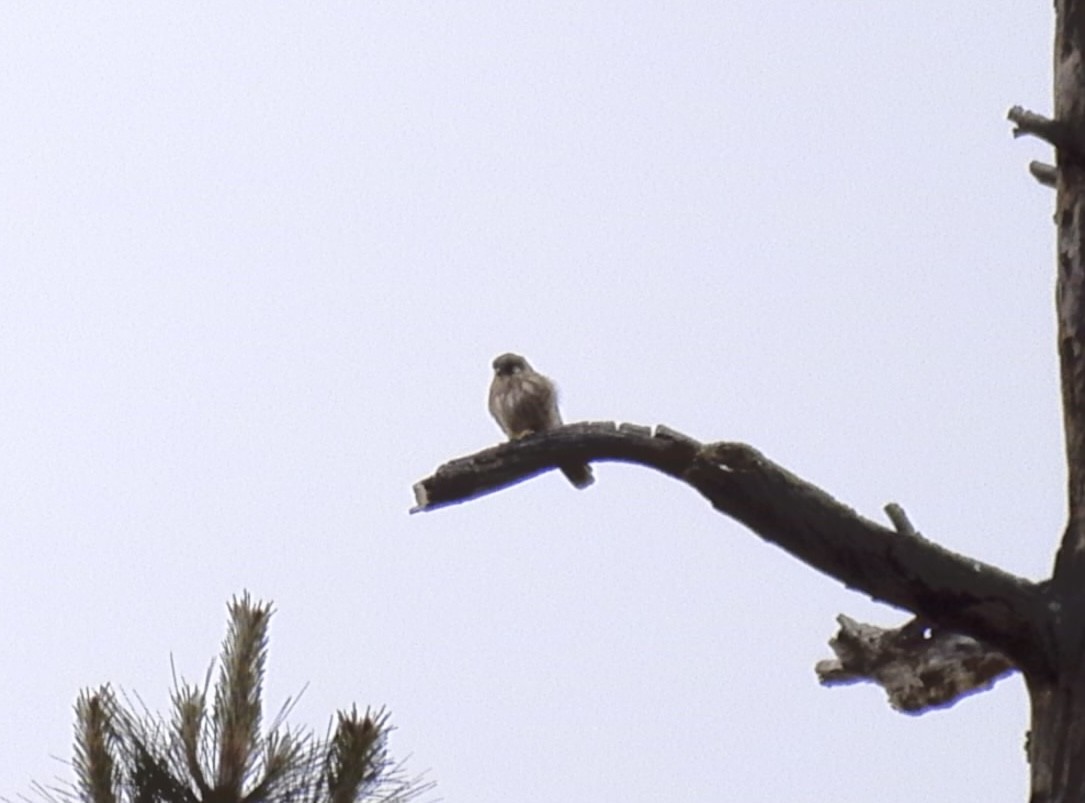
[1053, 132]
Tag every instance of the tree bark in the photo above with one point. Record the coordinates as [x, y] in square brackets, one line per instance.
[1057, 736]
[1070, 283]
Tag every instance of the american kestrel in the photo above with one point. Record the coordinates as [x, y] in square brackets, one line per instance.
[525, 402]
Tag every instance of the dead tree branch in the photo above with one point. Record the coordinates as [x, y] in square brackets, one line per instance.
[918, 667]
[953, 592]
[1045, 174]
[1053, 132]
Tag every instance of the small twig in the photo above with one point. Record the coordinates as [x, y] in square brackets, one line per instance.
[901, 522]
[1046, 174]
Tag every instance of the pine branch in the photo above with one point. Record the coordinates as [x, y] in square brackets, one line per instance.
[95, 760]
[237, 697]
[126, 754]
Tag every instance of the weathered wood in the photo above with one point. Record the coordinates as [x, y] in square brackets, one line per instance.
[920, 668]
[1057, 684]
[1054, 132]
[953, 592]
[515, 461]
[1070, 283]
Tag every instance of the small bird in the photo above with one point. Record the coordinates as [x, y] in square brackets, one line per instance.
[524, 402]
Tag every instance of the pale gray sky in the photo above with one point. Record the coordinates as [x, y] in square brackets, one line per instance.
[256, 258]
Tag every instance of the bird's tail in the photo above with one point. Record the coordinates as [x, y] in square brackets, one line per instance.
[579, 474]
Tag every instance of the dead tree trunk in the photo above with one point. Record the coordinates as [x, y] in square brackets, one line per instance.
[1057, 691]
[974, 623]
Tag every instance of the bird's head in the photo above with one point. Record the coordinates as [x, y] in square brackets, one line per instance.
[509, 364]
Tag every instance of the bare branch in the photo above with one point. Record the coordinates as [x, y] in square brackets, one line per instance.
[918, 668]
[515, 461]
[1054, 132]
[900, 519]
[956, 593]
[1046, 174]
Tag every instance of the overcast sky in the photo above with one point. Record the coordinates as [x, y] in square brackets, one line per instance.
[256, 259]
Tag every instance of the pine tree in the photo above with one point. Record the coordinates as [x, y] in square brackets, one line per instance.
[212, 749]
